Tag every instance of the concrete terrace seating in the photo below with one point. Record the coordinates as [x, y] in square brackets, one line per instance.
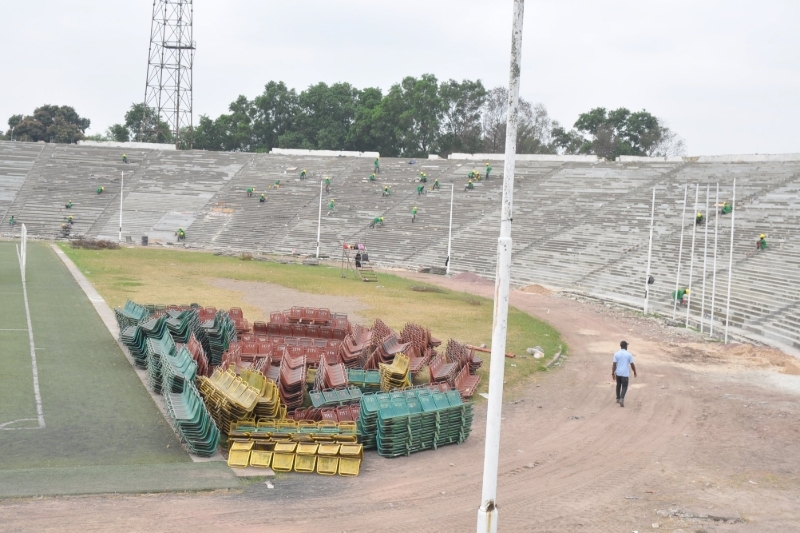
[577, 225]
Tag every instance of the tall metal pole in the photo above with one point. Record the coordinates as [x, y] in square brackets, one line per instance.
[714, 274]
[730, 264]
[680, 251]
[691, 263]
[487, 513]
[319, 217]
[450, 232]
[649, 253]
[705, 255]
[121, 185]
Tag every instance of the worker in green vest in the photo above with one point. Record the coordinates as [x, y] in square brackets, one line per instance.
[68, 205]
[303, 174]
[331, 205]
[12, 221]
[477, 175]
[262, 198]
[100, 190]
[423, 178]
[69, 220]
[181, 234]
[413, 213]
[699, 219]
[386, 191]
[124, 158]
[249, 192]
[469, 186]
[726, 208]
[761, 243]
[471, 175]
[327, 185]
[420, 190]
[377, 221]
[435, 185]
[488, 170]
[372, 177]
[377, 165]
[680, 296]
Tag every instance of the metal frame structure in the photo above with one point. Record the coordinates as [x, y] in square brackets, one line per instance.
[168, 89]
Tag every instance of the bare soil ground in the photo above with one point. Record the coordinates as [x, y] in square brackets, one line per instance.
[707, 442]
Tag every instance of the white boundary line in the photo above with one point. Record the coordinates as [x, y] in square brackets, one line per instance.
[39, 411]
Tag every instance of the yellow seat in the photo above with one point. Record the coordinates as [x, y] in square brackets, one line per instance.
[285, 447]
[239, 454]
[283, 462]
[305, 463]
[349, 466]
[304, 448]
[327, 465]
[328, 448]
[260, 458]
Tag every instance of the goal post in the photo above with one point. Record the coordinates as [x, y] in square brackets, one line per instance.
[22, 250]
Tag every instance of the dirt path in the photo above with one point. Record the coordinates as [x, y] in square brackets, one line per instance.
[707, 441]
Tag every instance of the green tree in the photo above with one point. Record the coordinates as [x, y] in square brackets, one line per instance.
[326, 114]
[275, 114]
[364, 136]
[462, 104]
[49, 123]
[119, 133]
[408, 118]
[610, 134]
[534, 127]
[147, 126]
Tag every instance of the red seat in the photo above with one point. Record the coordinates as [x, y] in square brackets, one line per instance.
[312, 331]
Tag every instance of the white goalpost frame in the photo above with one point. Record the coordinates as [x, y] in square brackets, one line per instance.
[450, 231]
[691, 262]
[730, 264]
[649, 253]
[121, 187]
[319, 217]
[487, 512]
[705, 255]
[714, 275]
[680, 251]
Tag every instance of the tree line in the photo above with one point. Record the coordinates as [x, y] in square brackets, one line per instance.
[414, 118]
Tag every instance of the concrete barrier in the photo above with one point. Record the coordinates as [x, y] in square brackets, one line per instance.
[131, 145]
[322, 153]
[529, 157]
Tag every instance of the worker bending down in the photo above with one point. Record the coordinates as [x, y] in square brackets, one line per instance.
[377, 221]
[761, 243]
[386, 191]
[181, 234]
[699, 219]
[413, 214]
[681, 296]
[469, 186]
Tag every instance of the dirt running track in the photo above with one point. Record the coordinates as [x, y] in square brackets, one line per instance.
[707, 442]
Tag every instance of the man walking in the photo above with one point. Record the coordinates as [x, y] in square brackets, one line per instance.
[621, 371]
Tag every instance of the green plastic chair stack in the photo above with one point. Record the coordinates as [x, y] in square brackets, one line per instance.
[220, 331]
[177, 370]
[158, 347]
[130, 315]
[133, 338]
[334, 397]
[181, 324]
[366, 380]
[191, 420]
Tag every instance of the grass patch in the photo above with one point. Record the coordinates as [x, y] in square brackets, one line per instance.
[173, 276]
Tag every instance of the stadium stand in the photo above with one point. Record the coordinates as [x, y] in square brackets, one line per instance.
[578, 226]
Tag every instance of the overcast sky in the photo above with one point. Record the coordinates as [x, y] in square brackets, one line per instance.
[724, 74]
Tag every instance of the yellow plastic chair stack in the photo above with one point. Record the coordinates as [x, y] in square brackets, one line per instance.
[269, 402]
[227, 397]
[239, 454]
[395, 376]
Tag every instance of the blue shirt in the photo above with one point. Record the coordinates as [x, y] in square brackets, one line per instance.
[624, 360]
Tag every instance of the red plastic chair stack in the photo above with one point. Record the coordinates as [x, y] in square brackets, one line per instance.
[292, 381]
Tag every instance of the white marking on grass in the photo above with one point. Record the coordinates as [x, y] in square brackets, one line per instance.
[3, 425]
[14, 329]
[34, 367]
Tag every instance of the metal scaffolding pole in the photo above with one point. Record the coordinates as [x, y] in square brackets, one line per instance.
[691, 263]
[649, 253]
[730, 264]
[319, 217]
[487, 513]
[714, 276]
[680, 251]
[705, 255]
[450, 232]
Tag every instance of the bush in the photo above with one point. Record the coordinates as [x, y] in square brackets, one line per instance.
[94, 244]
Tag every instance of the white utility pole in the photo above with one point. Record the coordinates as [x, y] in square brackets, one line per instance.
[319, 217]
[680, 251]
[691, 263]
[705, 255]
[714, 275]
[450, 232]
[121, 185]
[649, 253]
[730, 264]
[487, 513]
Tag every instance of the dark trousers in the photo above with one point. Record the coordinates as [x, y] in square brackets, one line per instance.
[622, 387]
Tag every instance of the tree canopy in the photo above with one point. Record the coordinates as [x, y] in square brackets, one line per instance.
[49, 123]
[610, 134]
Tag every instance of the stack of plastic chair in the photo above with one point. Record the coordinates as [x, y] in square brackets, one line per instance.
[130, 315]
[192, 421]
[395, 376]
[158, 348]
[334, 397]
[330, 376]
[292, 381]
[228, 397]
[366, 380]
[385, 352]
[351, 349]
[466, 383]
[368, 419]
[269, 402]
[241, 324]
[177, 370]
[221, 332]
[182, 323]
[134, 339]
[442, 370]
[198, 354]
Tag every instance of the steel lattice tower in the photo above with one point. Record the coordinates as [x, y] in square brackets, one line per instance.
[168, 91]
